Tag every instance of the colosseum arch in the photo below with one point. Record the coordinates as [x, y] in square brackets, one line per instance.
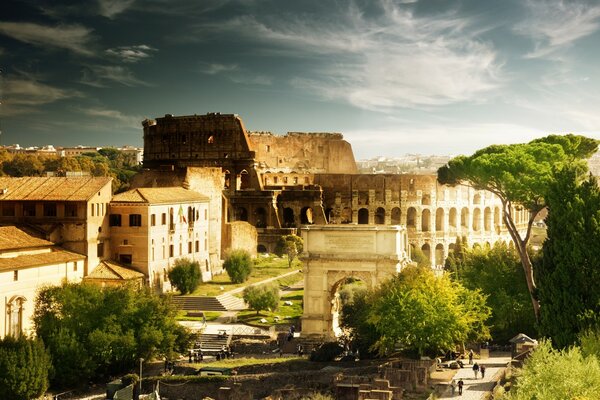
[476, 219]
[363, 216]
[426, 249]
[452, 218]
[411, 217]
[396, 214]
[439, 220]
[439, 254]
[380, 216]
[306, 216]
[487, 219]
[426, 220]
[334, 253]
[464, 218]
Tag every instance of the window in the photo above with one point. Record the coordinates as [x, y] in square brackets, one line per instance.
[153, 220]
[211, 139]
[205, 214]
[14, 310]
[8, 210]
[205, 244]
[275, 179]
[197, 246]
[100, 249]
[171, 250]
[75, 266]
[135, 220]
[189, 247]
[114, 220]
[49, 209]
[70, 210]
[295, 180]
[268, 148]
[163, 219]
[16, 275]
[92, 209]
[125, 259]
[285, 180]
[29, 209]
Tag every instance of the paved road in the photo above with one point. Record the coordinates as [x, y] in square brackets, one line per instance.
[474, 389]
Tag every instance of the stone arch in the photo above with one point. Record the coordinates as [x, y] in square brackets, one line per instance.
[14, 315]
[244, 179]
[464, 218]
[226, 179]
[363, 216]
[329, 215]
[439, 219]
[487, 219]
[477, 198]
[411, 217]
[426, 249]
[289, 220]
[261, 248]
[396, 216]
[334, 284]
[439, 254]
[452, 218]
[346, 216]
[426, 220]
[380, 216]
[476, 219]
[451, 247]
[241, 214]
[261, 217]
[306, 216]
[426, 200]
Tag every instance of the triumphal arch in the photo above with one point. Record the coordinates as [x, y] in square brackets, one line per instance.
[334, 253]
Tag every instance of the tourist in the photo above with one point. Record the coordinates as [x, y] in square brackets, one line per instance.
[476, 370]
[453, 386]
[470, 356]
[482, 369]
[460, 386]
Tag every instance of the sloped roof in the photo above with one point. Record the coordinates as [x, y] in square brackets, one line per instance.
[13, 238]
[162, 195]
[522, 338]
[109, 270]
[58, 256]
[51, 188]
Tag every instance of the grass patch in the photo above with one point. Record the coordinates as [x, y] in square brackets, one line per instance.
[210, 316]
[288, 314]
[264, 268]
[242, 362]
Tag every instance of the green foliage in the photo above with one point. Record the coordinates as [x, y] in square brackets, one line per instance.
[417, 255]
[238, 265]
[327, 352]
[25, 365]
[262, 297]
[590, 343]
[419, 311]
[185, 275]
[93, 332]
[290, 245]
[568, 276]
[498, 274]
[354, 319]
[550, 374]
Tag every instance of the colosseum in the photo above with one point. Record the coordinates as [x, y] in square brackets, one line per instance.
[278, 183]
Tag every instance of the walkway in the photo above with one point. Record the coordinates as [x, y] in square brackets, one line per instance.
[474, 389]
[241, 289]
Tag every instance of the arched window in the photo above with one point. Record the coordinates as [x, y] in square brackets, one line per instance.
[380, 216]
[452, 218]
[211, 139]
[476, 218]
[363, 216]
[395, 216]
[439, 254]
[261, 217]
[426, 250]
[14, 314]
[306, 216]
[439, 220]
[487, 219]
[411, 217]
[425, 220]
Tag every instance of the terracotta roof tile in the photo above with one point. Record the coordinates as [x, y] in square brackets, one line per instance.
[13, 238]
[108, 270]
[159, 195]
[57, 256]
[51, 188]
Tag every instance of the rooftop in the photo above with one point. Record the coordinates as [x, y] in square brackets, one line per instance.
[109, 270]
[80, 188]
[13, 238]
[163, 195]
[58, 256]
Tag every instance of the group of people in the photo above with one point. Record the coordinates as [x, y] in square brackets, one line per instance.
[476, 370]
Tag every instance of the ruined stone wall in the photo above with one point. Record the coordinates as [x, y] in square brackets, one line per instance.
[434, 214]
[313, 152]
[240, 235]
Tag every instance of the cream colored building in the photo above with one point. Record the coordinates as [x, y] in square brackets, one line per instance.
[150, 228]
[71, 212]
[26, 264]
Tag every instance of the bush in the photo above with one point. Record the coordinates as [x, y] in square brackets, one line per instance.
[24, 364]
[185, 275]
[263, 297]
[290, 245]
[327, 352]
[238, 265]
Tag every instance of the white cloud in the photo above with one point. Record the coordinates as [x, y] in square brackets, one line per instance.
[111, 8]
[234, 73]
[131, 54]
[216, 68]
[75, 38]
[557, 24]
[117, 117]
[24, 92]
[395, 60]
[104, 75]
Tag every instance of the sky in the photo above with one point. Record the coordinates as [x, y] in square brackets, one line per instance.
[394, 77]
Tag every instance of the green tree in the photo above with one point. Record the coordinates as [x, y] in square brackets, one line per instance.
[262, 297]
[519, 174]
[417, 255]
[290, 245]
[92, 332]
[551, 374]
[185, 275]
[497, 272]
[25, 365]
[568, 275]
[238, 265]
[419, 311]
[24, 165]
[354, 318]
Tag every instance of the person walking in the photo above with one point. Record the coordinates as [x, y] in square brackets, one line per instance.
[476, 370]
[460, 386]
[470, 356]
[482, 370]
[453, 386]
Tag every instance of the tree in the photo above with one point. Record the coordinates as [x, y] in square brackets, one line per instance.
[354, 320]
[498, 274]
[93, 332]
[262, 297]
[419, 311]
[551, 374]
[568, 275]
[290, 245]
[25, 365]
[417, 255]
[185, 275]
[238, 265]
[519, 174]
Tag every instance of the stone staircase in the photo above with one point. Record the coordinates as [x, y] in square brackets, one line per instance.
[212, 343]
[224, 302]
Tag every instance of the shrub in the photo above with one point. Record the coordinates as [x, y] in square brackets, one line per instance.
[290, 245]
[263, 297]
[185, 275]
[24, 364]
[238, 265]
[327, 352]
